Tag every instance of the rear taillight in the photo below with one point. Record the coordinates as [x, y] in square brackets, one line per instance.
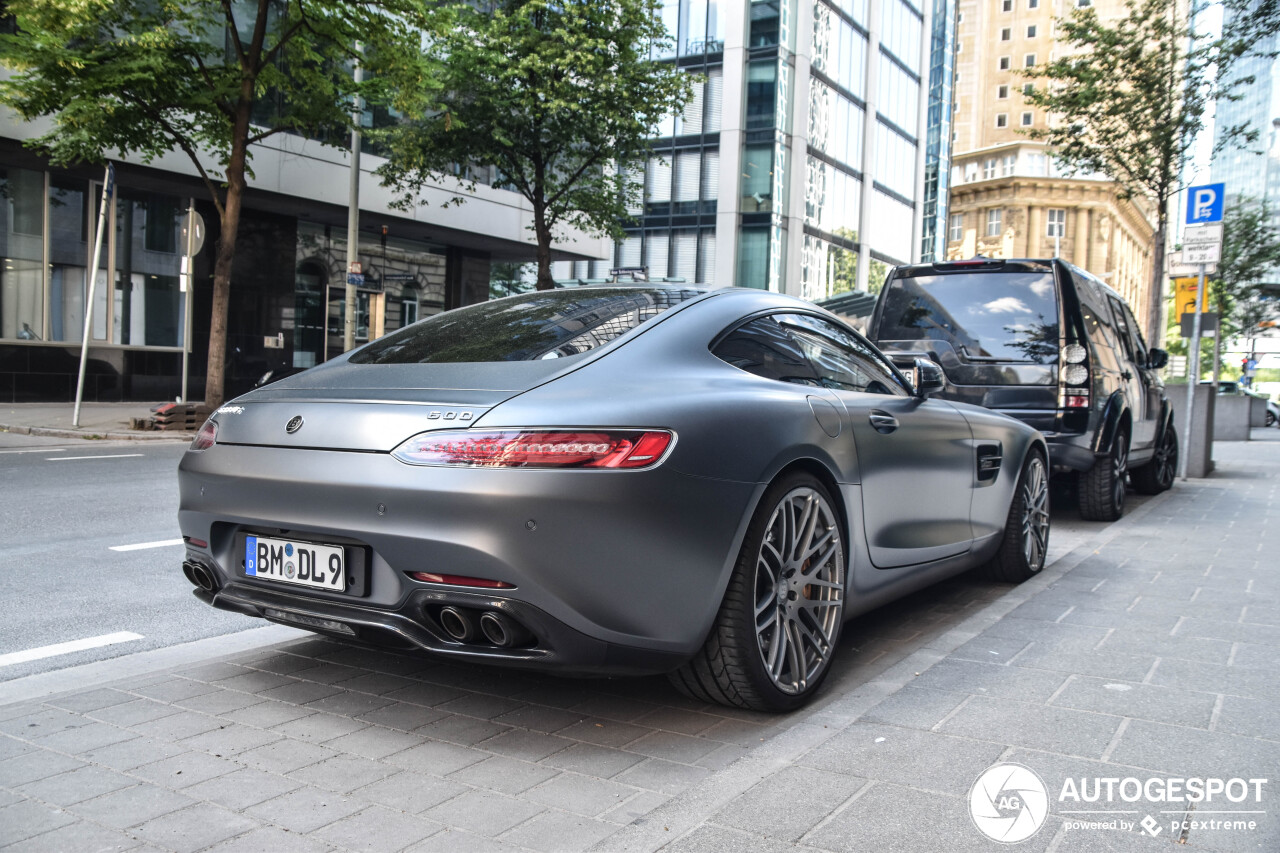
[460, 580]
[207, 436]
[521, 448]
[1074, 370]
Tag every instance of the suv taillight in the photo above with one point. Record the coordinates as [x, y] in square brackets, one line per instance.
[1073, 371]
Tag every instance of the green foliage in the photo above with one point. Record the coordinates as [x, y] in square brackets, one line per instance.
[558, 97]
[1250, 251]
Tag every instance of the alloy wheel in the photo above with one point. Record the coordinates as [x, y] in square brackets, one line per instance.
[1035, 514]
[1166, 458]
[799, 590]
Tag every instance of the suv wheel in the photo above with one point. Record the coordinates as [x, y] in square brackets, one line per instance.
[1102, 486]
[1157, 475]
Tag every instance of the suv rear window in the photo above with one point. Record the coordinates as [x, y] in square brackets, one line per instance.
[546, 324]
[985, 316]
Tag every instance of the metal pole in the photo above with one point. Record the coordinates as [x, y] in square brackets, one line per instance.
[1193, 375]
[353, 217]
[93, 281]
[189, 279]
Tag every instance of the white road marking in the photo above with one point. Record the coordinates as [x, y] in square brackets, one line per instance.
[37, 450]
[141, 546]
[67, 648]
[108, 456]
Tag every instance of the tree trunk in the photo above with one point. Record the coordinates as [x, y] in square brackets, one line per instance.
[215, 377]
[543, 234]
[1156, 319]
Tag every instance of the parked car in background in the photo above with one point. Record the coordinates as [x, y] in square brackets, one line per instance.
[609, 480]
[1231, 387]
[1047, 343]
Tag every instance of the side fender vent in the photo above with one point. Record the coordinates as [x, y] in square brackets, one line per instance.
[990, 457]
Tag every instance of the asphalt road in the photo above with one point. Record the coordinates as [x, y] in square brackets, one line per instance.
[63, 505]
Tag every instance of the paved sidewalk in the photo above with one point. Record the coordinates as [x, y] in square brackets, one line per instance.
[108, 421]
[1149, 651]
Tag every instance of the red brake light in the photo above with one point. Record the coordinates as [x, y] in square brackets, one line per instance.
[523, 448]
[206, 437]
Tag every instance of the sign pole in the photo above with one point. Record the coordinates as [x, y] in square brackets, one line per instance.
[1193, 374]
[353, 218]
[107, 181]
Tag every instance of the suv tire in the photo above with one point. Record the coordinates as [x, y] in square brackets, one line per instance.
[1102, 486]
[1157, 475]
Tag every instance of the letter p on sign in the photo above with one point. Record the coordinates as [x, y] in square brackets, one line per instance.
[1204, 203]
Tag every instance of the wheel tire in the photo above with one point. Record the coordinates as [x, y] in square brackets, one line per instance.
[1102, 486]
[778, 625]
[1271, 418]
[1157, 475]
[1025, 542]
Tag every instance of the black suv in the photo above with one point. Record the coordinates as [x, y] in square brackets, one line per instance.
[1051, 345]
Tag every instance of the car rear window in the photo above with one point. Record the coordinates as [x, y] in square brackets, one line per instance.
[545, 324]
[986, 316]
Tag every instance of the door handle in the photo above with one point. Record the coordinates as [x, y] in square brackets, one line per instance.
[883, 422]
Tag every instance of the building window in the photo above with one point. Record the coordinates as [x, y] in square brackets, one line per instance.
[1031, 31]
[1083, 3]
[1002, 119]
[1026, 119]
[1057, 225]
[1002, 92]
[1004, 63]
[970, 172]
[993, 223]
[1033, 4]
[1010, 160]
[1028, 89]
[1006, 6]
[989, 171]
[957, 227]
[1006, 34]
[1029, 60]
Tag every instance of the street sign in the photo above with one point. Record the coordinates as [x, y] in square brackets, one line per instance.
[354, 268]
[196, 225]
[355, 278]
[1178, 266]
[1185, 290]
[1208, 324]
[1202, 253]
[1209, 232]
[1204, 203]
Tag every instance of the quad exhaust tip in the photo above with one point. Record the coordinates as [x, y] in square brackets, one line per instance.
[199, 576]
[458, 623]
[503, 631]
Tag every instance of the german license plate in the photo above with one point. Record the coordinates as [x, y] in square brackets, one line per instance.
[290, 561]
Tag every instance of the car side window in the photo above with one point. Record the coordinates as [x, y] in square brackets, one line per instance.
[1098, 327]
[1122, 328]
[840, 359]
[763, 348]
[1135, 334]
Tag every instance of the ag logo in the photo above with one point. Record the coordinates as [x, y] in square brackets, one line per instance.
[1008, 803]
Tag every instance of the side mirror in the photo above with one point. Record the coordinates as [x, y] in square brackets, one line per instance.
[1157, 358]
[927, 377]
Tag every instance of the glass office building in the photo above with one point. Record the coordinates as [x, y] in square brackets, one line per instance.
[814, 150]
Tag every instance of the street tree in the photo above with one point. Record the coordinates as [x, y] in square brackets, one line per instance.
[559, 98]
[1250, 256]
[122, 78]
[1127, 100]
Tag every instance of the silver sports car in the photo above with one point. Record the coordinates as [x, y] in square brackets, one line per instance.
[619, 479]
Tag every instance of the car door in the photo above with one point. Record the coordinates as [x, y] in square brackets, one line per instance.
[916, 457]
[1137, 379]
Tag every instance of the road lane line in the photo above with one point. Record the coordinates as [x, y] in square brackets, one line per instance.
[108, 456]
[37, 450]
[67, 648]
[163, 543]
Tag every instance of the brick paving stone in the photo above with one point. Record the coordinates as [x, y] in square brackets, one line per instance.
[133, 713]
[344, 773]
[76, 786]
[602, 732]
[722, 757]
[718, 839]
[483, 812]
[790, 803]
[284, 755]
[270, 839]
[377, 830]
[183, 771]
[917, 708]
[306, 809]
[921, 759]
[31, 766]
[401, 715]
[411, 792]
[424, 693]
[350, 703]
[593, 760]
[182, 725]
[539, 718]
[267, 714]
[374, 742]
[73, 838]
[504, 775]
[1141, 701]
[300, 693]
[377, 683]
[1252, 717]
[28, 818]
[636, 807]
[673, 747]
[555, 832]
[319, 727]
[243, 788]
[1185, 751]
[131, 806]
[988, 679]
[90, 700]
[85, 738]
[527, 745]
[254, 681]
[584, 795]
[217, 671]
[455, 840]
[11, 746]
[480, 705]
[666, 777]
[435, 757]
[41, 723]
[680, 720]
[173, 689]
[229, 739]
[193, 828]
[467, 731]
[129, 754]
[220, 702]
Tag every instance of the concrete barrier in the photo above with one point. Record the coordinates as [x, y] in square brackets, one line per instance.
[1232, 417]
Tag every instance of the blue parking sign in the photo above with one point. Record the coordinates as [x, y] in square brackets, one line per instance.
[1204, 203]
